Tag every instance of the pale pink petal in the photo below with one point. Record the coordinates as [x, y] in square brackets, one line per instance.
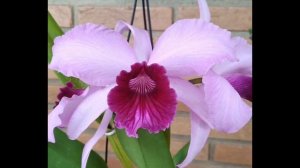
[60, 116]
[227, 110]
[204, 10]
[191, 96]
[142, 44]
[99, 133]
[243, 52]
[191, 47]
[92, 53]
[199, 134]
[88, 111]
[54, 121]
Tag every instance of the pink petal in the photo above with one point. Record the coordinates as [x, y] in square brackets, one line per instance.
[191, 96]
[243, 66]
[142, 44]
[92, 53]
[227, 110]
[54, 121]
[60, 116]
[143, 99]
[191, 47]
[88, 111]
[204, 10]
[199, 134]
[242, 84]
[99, 133]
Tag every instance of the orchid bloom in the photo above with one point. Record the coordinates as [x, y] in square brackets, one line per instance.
[142, 86]
[221, 95]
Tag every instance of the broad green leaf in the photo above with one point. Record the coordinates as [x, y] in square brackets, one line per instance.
[147, 151]
[53, 29]
[181, 154]
[65, 153]
[119, 151]
[50, 44]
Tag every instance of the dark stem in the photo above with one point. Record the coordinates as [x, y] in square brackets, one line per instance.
[106, 149]
[149, 23]
[144, 14]
[132, 19]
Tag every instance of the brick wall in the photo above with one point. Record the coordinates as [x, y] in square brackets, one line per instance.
[221, 150]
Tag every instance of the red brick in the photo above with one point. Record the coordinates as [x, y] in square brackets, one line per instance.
[51, 75]
[182, 107]
[62, 14]
[161, 16]
[176, 145]
[243, 134]
[99, 147]
[209, 164]
[181, 125]
[52, 93]
[233, 153]
[232, 18]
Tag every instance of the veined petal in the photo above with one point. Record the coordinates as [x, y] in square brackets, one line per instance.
[92, 53]
[60, 116]
[99, 133]
[227, 110]
[191, 96]
[199, 134]
[243, 66]
[88, 111]
[191, 47]
[142, 44]
[204, 10]
[143, 99]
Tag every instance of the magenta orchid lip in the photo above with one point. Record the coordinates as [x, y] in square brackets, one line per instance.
[142, 86]
[143, 99]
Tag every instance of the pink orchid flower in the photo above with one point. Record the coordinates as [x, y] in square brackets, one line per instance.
[220, 95]
[142, 86]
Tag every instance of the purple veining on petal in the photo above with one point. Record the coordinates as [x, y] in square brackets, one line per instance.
[143, 99]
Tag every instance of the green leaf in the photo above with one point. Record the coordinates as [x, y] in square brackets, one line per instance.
[167, 134]
[50, 44]
[147, 151]
[77, 83]
[119, 151]
[53, 29]
[181, 154]
[65, 153]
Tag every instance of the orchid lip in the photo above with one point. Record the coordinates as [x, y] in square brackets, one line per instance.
[143, 99]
